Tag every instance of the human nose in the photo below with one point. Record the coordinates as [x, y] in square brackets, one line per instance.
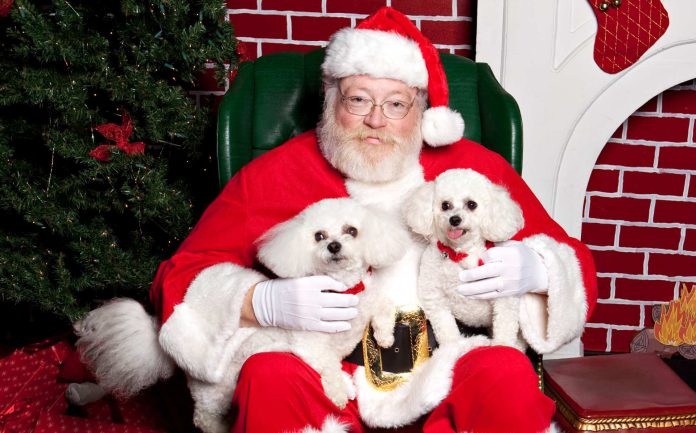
[375, 118]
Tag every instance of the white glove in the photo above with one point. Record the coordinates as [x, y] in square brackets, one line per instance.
[509, 269]
[304, 304]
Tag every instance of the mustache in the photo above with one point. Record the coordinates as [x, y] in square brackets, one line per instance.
[361, 133]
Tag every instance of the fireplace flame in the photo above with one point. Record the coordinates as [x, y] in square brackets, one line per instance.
[677, 322]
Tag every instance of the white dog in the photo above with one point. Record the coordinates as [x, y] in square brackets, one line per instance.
[334, 237]
[461, 213]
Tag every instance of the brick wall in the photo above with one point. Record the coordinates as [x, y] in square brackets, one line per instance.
[640, 217]
[266, 26]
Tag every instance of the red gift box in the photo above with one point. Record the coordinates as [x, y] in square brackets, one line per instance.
[634, 392]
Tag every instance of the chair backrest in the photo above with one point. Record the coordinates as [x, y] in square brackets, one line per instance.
[279, 96]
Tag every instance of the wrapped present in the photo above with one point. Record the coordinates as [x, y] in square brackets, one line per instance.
[51, 422]
[633, 392]
[28, 385]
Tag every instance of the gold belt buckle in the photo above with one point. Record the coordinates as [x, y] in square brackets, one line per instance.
[372, 355]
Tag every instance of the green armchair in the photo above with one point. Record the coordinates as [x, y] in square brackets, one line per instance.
[279, 96]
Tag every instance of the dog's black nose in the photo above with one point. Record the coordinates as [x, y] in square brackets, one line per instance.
[334, 247]
[455, 220]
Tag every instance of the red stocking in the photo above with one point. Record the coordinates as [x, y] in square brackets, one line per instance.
[627, 29]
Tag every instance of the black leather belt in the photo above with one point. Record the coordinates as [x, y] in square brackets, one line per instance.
[398, 359]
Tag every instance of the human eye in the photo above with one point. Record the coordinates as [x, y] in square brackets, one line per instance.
[395, 109]
[358, 100]
[399, 105]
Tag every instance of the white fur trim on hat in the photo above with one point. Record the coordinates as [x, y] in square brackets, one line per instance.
[375, 53]
[442, 126]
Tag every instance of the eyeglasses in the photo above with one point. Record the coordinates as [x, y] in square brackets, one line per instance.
[360, 106]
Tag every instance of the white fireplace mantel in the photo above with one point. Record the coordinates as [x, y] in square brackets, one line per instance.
[542, 53]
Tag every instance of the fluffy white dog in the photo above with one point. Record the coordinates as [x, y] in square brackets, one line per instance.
[461, 213]
[334, 237]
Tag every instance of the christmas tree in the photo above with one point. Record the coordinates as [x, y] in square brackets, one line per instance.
[101, 146]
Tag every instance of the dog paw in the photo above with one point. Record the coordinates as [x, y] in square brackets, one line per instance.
[385, 338]
[336, 390]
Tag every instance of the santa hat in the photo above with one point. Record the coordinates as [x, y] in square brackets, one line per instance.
[388, 45]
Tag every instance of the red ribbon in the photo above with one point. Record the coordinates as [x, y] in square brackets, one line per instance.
[456, 257]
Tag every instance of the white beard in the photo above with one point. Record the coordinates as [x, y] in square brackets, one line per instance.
[374, 163]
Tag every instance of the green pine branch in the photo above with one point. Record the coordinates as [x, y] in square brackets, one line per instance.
[75, 230]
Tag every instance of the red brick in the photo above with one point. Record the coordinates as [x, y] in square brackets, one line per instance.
[448, 32]
[681, 157]
[628, 155]
[465, 52]
[466, 8]
[595, 339]
[673, 265]
[598, 234]
[354, 6]
[690, 240]
[247, 50]
[619, 132]
[603, 181]
[644, 290]
[618, 262]
[647, 313]
[426, 8]
[692, 186]
[667, 211]
[679, 101]
[316, 28]
[650, 106]
[292, 5]
[616, 314]
[650, 237]
[603, 288]
[259, 26]
[620, 208]
[674, 129]
[653, 183]
[268, 48]
[241, 4]
[621, 340]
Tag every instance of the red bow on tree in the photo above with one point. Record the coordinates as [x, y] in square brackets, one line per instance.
[119, 134]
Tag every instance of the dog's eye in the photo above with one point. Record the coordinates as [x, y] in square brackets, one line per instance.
[446, 205]
[351, 231]
[471, 204]
[319, 236]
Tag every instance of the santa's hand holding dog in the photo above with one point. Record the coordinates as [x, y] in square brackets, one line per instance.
[386, 95]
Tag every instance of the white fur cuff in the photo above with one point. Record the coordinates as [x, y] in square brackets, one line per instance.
[547, 322]
[442, 126]
[200, 328]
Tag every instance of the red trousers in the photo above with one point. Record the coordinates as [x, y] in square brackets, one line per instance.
[494, 390]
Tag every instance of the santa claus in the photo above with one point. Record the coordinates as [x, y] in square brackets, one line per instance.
[379, 79]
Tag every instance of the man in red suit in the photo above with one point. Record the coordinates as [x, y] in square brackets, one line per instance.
[369, 145]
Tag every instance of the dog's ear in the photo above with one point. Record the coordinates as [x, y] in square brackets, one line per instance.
[286, 249]
[503, 217]
[417, 211]
[383, 240]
